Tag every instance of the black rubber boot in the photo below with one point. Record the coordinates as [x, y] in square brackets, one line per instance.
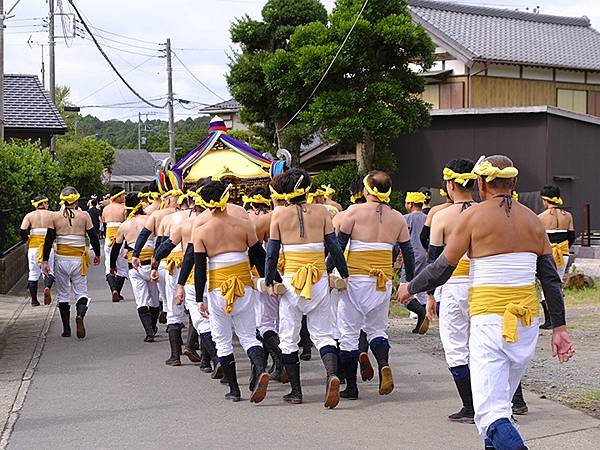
[162, 316]
[48, 282]
[381, 350]
[228, 364]
[154, 312]
[519, 407]
[32, 287]
[292, 367]
[366, 369]
[119, 282]
[305, 341]
[112, 284]
[146, 319]
[363, 343]
[271, 344]
[65, 317]
[81, 308]
[191, 346]
[419, 310]
[174, 331]
[329, 357]
[547, 324]
[462, 379]
[205, 361]
[211, 350]
[349, 362]
[261, 377]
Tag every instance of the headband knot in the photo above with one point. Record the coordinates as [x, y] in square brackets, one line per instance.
[383, 197]
[490, 172]
[555, 200]
[69, 199]
[37, 203]
[460, 178]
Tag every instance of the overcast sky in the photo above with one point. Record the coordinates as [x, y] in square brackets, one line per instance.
[199, 35]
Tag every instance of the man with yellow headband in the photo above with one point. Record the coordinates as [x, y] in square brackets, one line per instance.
[113, 216]
[305, 232]
[371, 229]
[152, 197]
[561, 233]
[33, 232]
[508, 248]
[69, 227]
[317, 195]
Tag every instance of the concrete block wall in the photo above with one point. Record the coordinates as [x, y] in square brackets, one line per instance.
[12, 267]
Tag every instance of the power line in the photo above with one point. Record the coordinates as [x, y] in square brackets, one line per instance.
[125, 43]
[196, 78]
[110, 63]
[123, 36]
[131, 52]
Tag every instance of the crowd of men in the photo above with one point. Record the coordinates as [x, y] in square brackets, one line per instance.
[290, 263]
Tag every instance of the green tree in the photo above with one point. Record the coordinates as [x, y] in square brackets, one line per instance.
[263, 103]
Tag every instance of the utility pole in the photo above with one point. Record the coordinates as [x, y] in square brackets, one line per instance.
[43, 68]
[139, 130]
[51, 80]
[1, 71]
[170, 101]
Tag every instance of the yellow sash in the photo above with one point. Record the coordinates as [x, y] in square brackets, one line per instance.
[145, 255]
[281, 263]
[175, 259]
[111, 235]
[37, 241]
[69, 250]
[374, 263]
[511, 302]
[231, 281]
[306, 269]
[190, 278]
[462, 269]
[558, 251]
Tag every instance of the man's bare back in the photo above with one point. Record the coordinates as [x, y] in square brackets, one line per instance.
[262, 224]
[364, 223]
[171, 221]
[130, 230]
[224, 233]
[80, 222]
[285, 224]
[444, 222]
[434, 210]
[40, 218]
[557, 219]
[113, 212]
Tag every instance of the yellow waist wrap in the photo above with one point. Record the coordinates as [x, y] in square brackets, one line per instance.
[306, 269]
[511, 302]
[558, 251]
[231, 280]
[374, 263]
[37, 241]
[175, 259]
[145, 255]
[190, 278]
[111, 234]
[281, 263]
[82, 252]
[462, 269]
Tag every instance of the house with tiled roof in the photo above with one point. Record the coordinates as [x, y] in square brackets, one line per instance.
[492, 57]
[28, 110]
[229, 111]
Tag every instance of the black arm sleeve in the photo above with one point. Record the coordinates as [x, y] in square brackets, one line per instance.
[94, 240]
[24, 234]
[257, 256]
[343, 239]
[141, 241]
[336, 254]
[273, 248]
[424, 236]
[571, 237]
[114, 254]
[434, 252]
[186, 265]
[166, 247]
[157, 243]
[48, 241]
[408, 256]
[432, 276]
[200, 266]
[552, 287]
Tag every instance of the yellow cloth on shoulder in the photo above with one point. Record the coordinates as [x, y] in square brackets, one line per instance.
[510, 302]
[462, 269]
[306, 269]
[82, 252]
[231, 280]
[175, 259]
[37, 241]
[558, 251]
[374, 263]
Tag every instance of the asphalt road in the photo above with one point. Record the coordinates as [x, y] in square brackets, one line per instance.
[112, 390]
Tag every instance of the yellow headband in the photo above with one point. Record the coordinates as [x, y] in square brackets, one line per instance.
[355, 197]
[460, 178]
[312, 195]
[182, 198]
[443, 193]
[134, 210]
[296, 193]
[329, 191]
[491, 172]
[555, 200]
[172, 193]
[256, 199]
[39, 202]
[69, 199]
[221, 204]
[118, 194]
[144, 194]
[276, 195]
[383, 197]
[415, 197]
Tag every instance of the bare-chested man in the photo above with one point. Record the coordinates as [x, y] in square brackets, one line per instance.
[113, 215]
[317, 196]
[561, 233]
[329, 193]
[153, 199]
[226, 245]
[372, 229]
[69, 227]
[508, 247]
[425, 232]
[33, 231]
[305, 232]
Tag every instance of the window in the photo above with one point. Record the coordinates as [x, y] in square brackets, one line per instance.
[572, 100]
[431, 94]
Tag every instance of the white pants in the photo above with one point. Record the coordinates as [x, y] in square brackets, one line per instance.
[455, 322]
[162, 281]
[201, 324]
[319, 316]
[266, 308]
[68, 277]
[122, 266]
[144, 290]
[497, 367]
[35, 268]
[363, 306]
[175, 313]
[242, 319]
